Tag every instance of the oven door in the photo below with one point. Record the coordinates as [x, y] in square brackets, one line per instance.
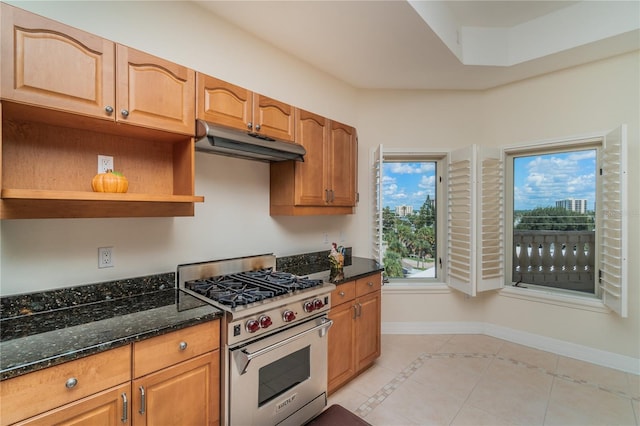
[282, 378]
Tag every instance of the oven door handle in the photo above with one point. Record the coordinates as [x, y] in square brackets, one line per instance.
[242, 357]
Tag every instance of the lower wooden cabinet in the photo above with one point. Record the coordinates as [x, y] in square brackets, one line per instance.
[175, 380]
[185, 394]
[109, 407]
[354, 338]
[60, 386]
[341, 359]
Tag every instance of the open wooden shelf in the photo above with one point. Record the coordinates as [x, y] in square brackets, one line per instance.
[34, 194]
[49, 159]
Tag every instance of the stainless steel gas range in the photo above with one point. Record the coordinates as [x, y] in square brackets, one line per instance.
[273, 338]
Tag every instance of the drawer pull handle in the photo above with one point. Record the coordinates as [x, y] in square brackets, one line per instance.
[143, 401]
[71, 383]
[125, 408]
[341, 294]
[183, 346]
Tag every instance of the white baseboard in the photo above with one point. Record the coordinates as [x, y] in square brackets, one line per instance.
[556, 346]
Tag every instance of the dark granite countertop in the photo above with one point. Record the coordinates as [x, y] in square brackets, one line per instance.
[46, 329]
[319, 268]
[40, 330]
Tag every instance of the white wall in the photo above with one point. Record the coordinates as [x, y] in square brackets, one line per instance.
[593, 98]
[234, 220]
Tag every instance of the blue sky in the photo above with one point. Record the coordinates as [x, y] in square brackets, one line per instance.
[539, 180]
[408, 184]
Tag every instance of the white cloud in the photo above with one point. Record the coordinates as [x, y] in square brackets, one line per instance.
[555, 177]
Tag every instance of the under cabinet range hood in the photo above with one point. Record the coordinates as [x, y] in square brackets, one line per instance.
[251, 146]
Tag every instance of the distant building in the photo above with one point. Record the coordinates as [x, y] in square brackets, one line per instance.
[403, 211]
[578, 206]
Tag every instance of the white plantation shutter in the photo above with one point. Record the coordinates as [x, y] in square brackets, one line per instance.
[461, 220]
[475, 220]
[613, 221]
[376, 200]
[491, 228]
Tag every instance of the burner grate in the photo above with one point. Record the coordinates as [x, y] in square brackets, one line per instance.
[244, 288]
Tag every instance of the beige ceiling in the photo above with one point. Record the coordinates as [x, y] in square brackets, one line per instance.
[415, 44]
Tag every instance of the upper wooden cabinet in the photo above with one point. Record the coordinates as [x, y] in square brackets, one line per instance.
[49, 64]
[325, 183]
[52, 65]
[341, 174]
[232, 106]
[154, 93]
[64, 96]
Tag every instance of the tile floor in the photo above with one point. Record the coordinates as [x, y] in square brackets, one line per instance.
[480, 380]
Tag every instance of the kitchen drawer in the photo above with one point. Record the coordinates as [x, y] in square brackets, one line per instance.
[159, 352]
[368, 285]
[343, 293]
[40, 391]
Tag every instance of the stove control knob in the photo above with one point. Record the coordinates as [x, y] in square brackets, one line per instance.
[318, 304]
[265, 321]
[288, 316]
[252, 326]
[309, 306]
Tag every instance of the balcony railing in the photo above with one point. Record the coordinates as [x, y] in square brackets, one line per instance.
[561, 259]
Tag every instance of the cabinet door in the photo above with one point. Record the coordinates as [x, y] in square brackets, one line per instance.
[110, 407]
[368, 330]
[185, 394]
[55, 66]
[155, 93]
[341, 353]
[310, 184]
[273, 118]
[223, 103]
[43, 390]
[342, 159]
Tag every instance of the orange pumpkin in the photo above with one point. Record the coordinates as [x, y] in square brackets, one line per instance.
[110, 182]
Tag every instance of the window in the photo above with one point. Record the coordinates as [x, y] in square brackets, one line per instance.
[494, 226]
[553, 218]
[407, 210]
[565, 222]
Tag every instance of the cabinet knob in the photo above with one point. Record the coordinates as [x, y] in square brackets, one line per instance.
[370, 283]
[71, 383]
[250, 125]
[108, 109]
[125, 113]
[341, 294]
[182, 346]
[258, 127]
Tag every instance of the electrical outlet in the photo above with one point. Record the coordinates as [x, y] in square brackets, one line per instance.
[105, 162]
[105, 257]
